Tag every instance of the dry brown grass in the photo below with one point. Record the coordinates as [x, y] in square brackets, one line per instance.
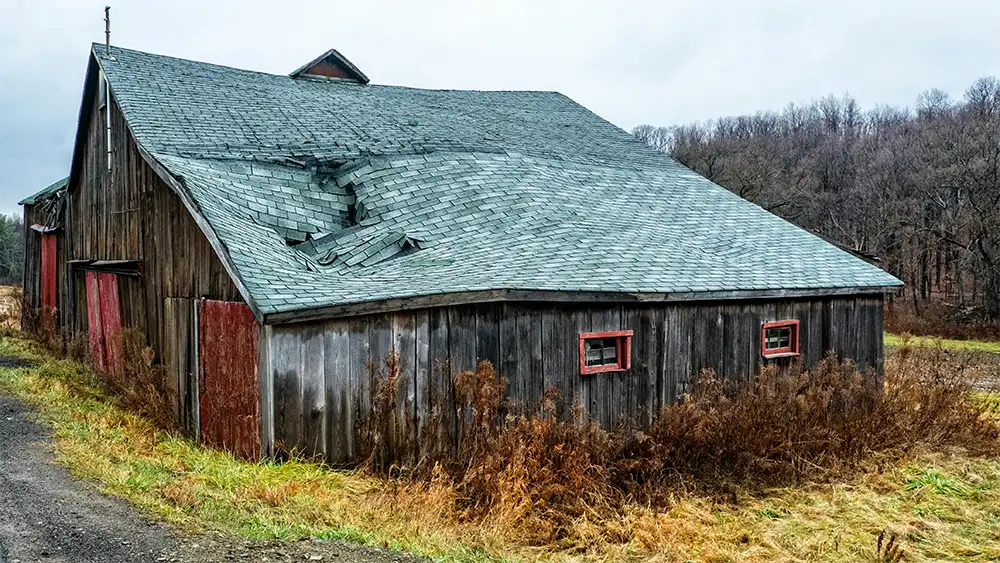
[10, 309]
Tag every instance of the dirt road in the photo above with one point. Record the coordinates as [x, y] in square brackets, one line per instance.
[46, 515]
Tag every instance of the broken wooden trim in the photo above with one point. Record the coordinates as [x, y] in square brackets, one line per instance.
[119, 267]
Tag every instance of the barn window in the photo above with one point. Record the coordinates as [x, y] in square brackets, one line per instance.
[605, 351]
[780, 339]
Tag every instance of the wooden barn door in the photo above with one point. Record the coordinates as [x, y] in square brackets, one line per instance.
[104, 322]
[229, 398]
[179, 360]
[49, 288]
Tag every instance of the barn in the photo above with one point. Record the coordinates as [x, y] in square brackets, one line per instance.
[271, 237]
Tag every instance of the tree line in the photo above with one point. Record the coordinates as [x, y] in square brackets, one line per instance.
[11, 249]
[918, 187]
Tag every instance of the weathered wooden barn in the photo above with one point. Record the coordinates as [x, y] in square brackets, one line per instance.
[273, 235]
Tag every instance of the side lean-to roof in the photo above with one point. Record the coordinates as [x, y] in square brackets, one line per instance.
[52, 190]
[331, 197]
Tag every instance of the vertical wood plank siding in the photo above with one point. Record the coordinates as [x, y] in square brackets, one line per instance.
[321, 391]
[129, 213]
[178, 358]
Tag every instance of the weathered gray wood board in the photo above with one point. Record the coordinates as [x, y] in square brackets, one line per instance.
[179, 361]
[322, 388]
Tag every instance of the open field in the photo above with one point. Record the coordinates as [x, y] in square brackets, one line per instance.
[10, 306]
[942, 505]
[895, 340]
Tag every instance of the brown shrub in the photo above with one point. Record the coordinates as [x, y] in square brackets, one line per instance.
[139, 382]
[538, 474]
[805, 423]
[519, 469]
[940, 320]
[382, 430]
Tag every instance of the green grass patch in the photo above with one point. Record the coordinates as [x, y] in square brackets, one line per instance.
[941, 506]
[896, 340]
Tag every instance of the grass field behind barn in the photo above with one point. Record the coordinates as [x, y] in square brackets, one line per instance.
[941, 505]
[10, 307]
[895, 340]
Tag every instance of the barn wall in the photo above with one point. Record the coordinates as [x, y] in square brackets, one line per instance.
[129, 213]
[317, 389]
[32, 275]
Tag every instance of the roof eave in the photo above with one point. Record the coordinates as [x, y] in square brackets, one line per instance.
[83, 119]
[548, 296]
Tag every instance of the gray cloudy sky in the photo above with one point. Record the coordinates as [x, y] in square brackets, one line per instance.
[663, 62]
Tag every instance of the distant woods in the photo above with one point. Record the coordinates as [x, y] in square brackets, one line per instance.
[917, 187]
[11, 249]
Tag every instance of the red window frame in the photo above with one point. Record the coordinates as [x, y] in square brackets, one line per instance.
[793, 341]
[624, 338]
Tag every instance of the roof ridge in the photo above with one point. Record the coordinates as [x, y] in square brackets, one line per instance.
[98, 47]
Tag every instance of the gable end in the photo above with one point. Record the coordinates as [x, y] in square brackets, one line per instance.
[331, 64]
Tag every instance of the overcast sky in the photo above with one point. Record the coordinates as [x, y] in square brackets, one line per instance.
[661, 62]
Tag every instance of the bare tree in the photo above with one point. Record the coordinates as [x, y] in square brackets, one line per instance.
[919, 187]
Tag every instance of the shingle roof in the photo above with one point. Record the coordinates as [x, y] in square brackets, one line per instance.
[327, 193]
[52, 189]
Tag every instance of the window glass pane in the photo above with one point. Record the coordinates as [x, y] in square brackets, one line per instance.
[610, 351]
[780, 337]
[601, 351]
[593, 357]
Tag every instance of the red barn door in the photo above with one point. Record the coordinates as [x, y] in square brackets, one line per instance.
[49, 281]
[104, 322]
[229, 399]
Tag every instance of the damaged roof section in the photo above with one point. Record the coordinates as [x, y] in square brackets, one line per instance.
[366, 246]
[53, 190]
[50, 202]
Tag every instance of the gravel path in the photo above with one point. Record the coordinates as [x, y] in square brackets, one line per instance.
[46, 515]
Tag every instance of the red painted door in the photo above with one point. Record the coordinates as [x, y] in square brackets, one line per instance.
[95, 334]
[111, 323]
[49, 281]
[229, 399]
[104, 322]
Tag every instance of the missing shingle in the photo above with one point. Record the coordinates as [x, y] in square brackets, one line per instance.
[294, 162]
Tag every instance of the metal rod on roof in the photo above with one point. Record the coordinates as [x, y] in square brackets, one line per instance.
[107, 31]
